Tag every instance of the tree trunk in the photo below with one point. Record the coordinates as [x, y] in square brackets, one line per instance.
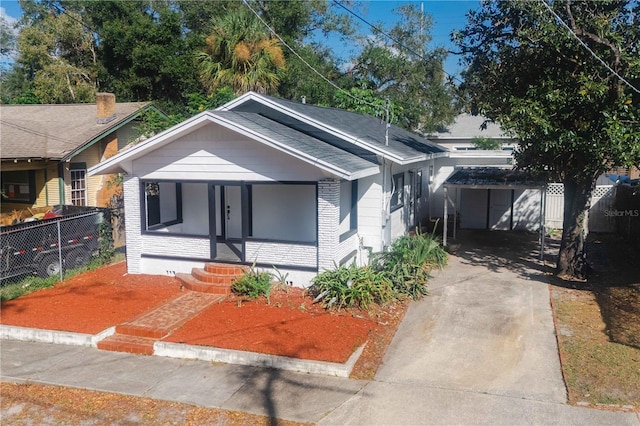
[572, 262]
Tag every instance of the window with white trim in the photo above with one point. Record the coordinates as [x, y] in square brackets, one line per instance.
[78, 187]
[397, 197]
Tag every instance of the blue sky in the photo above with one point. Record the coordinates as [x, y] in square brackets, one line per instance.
[448, 15]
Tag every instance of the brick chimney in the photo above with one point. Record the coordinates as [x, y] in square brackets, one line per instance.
[106, 105]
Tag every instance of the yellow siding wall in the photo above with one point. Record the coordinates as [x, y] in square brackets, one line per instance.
[53, 187]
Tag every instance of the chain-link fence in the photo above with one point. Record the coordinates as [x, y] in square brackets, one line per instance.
[64, 239]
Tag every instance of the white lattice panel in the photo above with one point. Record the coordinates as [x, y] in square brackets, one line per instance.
[603, 191]
[555, 189]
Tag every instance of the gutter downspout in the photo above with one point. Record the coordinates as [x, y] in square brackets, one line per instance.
[386, 200]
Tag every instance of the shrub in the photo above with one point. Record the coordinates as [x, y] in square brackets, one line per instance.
[351, 287]
[409, 261]
[253, 284]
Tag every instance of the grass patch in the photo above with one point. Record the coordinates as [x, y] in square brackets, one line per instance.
[597, 370]
[13, 289]
[598, 327]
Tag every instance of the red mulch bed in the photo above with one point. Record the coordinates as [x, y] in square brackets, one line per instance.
[291, 325]
[90, 302]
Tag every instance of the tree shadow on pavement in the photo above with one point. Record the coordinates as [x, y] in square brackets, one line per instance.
[518, 252]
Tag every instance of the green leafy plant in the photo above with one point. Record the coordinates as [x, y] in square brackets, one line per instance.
[253, 284]
[409, 261]
[486, 144]
[351, 287]
[106, 249]
[280, 277]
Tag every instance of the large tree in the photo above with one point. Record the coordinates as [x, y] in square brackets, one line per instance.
[575, 118]
[403, 68]
[58, 54]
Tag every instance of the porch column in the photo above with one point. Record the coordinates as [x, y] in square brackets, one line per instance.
[133, 230]
[328, 222]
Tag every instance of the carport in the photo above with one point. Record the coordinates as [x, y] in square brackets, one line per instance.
[484, 180]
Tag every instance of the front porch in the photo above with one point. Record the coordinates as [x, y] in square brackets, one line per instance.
[295, 227]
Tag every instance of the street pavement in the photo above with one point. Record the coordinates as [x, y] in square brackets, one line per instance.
[480, 349]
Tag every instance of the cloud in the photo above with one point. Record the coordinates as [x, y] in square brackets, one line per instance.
[8, 19]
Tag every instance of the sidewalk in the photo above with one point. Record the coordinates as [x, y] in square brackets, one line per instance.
[280, 394]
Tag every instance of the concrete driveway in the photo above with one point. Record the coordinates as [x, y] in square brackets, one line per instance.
[481, 347]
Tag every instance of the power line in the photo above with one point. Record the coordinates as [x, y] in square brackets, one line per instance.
[307, 63]
[33, 132]
[587, 47]
[377, 29]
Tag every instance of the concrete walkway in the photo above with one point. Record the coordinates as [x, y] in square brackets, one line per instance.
[480, 350]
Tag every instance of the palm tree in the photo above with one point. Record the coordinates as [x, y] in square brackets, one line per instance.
[241, 54]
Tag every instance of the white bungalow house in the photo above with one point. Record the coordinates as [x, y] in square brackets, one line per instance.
[272, 182]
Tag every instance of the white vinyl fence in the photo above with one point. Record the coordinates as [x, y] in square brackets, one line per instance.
[599, 218]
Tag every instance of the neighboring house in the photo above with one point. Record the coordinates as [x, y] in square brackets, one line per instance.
[483, 199]
[47, 149]
[462, 134]
[272, 182]
[483, 203]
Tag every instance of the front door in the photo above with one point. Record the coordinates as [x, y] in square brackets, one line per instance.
[232, 213]
[227, 204]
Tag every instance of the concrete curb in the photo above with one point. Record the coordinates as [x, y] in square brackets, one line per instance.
[183, 351]
[52, 336]
[230, 356]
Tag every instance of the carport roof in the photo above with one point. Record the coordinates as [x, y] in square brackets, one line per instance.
[493, 178]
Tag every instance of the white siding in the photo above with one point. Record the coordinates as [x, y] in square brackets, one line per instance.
[370, 211]
[328, 222]
[176, 246]
[215, 153]
[472, 208]
[347, 247]
[400, 219]
[345, 206]
[526, 210]
[131, 188]
[281, 254]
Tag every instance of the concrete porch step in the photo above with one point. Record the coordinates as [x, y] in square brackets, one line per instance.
[214, 278]
[192, 283]
[225, 269]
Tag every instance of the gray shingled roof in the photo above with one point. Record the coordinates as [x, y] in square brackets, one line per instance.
[493, 177]
[467, 126]
[364, 128]
[297, 141]
[54, 131]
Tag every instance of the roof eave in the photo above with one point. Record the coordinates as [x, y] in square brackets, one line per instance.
[109, 130]
[480, 154]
